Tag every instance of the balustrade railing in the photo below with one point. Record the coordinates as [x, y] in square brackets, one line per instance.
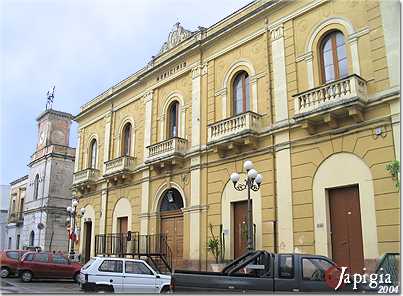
[350, 87]
[168, 147]
[87, 175]
[229, 127]
[120, 164]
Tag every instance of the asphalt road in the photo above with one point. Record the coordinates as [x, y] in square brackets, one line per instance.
[14, 285]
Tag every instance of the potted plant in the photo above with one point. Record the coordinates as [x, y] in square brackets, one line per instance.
[216, 246]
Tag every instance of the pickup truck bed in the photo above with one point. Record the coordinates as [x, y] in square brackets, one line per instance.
[260, 271]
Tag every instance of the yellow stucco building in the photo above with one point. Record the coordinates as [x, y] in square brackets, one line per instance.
[309, 91]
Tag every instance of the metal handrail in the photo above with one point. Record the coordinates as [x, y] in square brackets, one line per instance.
[117, 244]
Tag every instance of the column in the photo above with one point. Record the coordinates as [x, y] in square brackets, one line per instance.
[148, 100]
[283, 159]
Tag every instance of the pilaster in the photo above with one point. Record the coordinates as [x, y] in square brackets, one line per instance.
[148, 99]
[107, 144]
[279, 75]
[145, 196]
[284, 194]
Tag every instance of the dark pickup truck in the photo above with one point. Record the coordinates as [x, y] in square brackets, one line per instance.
[260, 271]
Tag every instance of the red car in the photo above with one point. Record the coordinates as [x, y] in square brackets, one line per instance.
[10, 260]
[47, 265]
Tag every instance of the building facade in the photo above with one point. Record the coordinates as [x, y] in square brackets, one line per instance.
[4, 196]
[309, 91]
[15, 221]
[38, 201]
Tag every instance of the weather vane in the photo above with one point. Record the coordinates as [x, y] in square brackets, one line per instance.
[50, 97]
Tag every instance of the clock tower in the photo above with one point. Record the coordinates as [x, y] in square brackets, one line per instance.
[49, 181]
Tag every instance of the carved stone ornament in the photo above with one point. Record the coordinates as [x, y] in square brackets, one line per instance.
[176, 36]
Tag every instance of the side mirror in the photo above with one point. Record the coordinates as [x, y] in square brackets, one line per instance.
[157, 276]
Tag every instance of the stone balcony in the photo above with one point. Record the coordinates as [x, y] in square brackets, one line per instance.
[84, 179]
[167, 153]
[235, 132]
[119, 167]
[16, 217]
[328, 103]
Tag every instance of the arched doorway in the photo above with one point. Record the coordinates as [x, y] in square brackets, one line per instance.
[172, 223]
[344, 211]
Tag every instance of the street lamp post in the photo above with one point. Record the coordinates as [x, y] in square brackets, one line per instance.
[252, 182]
[72, 212]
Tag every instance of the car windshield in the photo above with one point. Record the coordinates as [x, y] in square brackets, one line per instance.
[88, 264]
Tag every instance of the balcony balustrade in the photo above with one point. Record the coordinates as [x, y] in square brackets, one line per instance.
[85, 177]
[231, 134]
[248, 122]
[16, 217]
[120, 166]
[331, 101]
[167, 152]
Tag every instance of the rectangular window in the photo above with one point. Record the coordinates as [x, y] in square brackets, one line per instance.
[59, 259]
[111, 266]
[286, 266]
[29, 257]
[18, 242]
[313, 269]
[137, 268]
[12, 255]
[41, 257]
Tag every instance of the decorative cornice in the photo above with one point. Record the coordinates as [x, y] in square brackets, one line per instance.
[19, 180]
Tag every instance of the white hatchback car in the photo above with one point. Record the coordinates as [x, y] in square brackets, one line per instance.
[122, 275]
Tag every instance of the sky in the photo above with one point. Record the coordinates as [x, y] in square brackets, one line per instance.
[83, 48]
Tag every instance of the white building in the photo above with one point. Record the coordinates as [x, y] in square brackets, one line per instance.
[38, 202]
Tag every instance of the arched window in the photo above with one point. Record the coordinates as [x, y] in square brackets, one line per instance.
[171, 200]
[36, 187]
[93, 154]
[333, 57]
[32, 238]
[173, 118]
[241, 93]
[126, 139]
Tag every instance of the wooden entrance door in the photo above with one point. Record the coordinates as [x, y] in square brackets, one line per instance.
[87, 246]
[122, 225]
[346, 233]
[121, 243]
[240, 228]
[172, 226]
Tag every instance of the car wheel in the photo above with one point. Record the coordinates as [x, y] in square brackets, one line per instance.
[104, 289]
[166, 290]
[26, 276]
[5, 272]
[76, 277]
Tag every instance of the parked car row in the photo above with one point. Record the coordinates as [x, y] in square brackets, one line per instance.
[28, 265]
